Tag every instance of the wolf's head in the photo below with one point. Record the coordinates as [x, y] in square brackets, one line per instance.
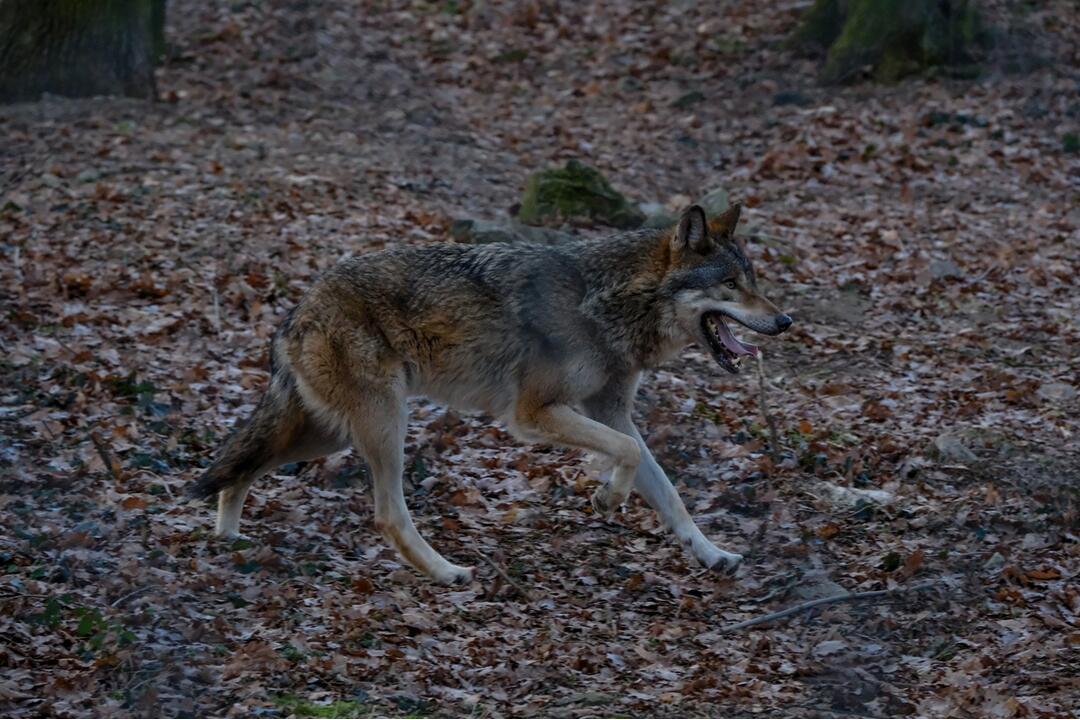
[712, 281]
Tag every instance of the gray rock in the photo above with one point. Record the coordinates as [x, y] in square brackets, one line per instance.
[946, 268]
[1056, 392]
[817, 585]
[657, 215]
[544, 235]
[950, 449]
[482, 232]
[714, 202]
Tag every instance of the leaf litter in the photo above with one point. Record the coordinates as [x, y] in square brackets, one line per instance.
[925, 399]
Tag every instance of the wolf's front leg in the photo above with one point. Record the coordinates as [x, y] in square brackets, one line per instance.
[658, 491]
[661, 495]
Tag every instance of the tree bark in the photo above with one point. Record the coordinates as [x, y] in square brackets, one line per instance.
[892, 38]
[79, 48]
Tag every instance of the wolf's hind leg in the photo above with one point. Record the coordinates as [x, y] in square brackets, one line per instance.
[230, 506]
[280, 430]
[297, 438]
[562, 425]
[378, 430]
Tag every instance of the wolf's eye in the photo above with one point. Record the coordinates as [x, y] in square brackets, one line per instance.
[730, 284]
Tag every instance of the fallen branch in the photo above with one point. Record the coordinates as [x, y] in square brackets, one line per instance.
[506, 578]
[810, 605]
[774, 434]
[106, 457]
[129, 595]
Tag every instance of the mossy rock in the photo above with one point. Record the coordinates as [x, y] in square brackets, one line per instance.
[576, 193]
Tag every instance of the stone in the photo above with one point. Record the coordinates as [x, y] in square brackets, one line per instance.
[941, 269]
[951, 449]
[482, 232]
[657, 215]
[817, 585]
[1056, 392]
[576, 192]
[714, 202]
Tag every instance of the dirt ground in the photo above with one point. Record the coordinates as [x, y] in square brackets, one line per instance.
[925, 236]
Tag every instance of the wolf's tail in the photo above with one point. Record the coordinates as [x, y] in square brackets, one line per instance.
[250, 450]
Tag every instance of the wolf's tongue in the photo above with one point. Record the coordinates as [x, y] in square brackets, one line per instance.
[733, 343]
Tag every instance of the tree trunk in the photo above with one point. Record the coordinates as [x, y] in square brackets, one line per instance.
[79, 48]
[892, 38]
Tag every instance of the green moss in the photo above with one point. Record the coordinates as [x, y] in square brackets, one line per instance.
[894, 38]
[576, 192]
[296, 707]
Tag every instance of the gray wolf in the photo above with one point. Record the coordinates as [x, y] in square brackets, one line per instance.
[552, 340]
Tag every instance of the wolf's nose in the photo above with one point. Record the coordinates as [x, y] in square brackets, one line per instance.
[783, 322]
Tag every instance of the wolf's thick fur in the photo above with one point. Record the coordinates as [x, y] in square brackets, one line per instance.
[552, 340]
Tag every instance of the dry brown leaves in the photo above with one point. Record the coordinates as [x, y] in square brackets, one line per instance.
[926, 237]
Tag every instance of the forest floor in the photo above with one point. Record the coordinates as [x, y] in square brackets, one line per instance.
[925, 237]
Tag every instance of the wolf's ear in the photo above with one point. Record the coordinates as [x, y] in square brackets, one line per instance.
[723, 225]
[693, 231]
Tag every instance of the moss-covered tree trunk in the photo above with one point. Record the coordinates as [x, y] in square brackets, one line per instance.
[79, 47]
[892, 38]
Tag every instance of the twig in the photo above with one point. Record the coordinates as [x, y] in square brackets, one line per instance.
[163, 482]
[502, 573]
[4, 594]
[774, 434]
[106, 456]
[809, 605]
[129, 595]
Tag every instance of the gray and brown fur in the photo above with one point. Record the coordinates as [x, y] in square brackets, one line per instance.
[551, 340]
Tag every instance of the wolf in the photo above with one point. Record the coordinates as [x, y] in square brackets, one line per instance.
[551, 340]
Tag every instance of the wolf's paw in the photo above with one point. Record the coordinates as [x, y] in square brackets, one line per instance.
[722, 562]
[605, 501]
[454, 575]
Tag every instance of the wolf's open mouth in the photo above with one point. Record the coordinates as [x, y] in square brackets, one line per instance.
[726, 348]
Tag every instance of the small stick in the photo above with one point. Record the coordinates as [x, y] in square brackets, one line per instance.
[809, 605]
[106, 456]
[128, 595]
[502, 573]
[774, 434]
